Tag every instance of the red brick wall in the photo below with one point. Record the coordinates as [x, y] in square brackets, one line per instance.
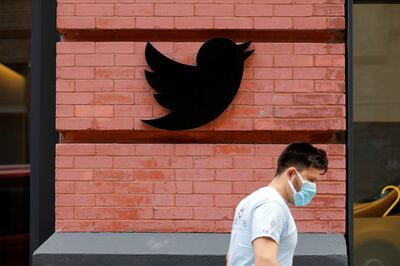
[198, 14]
[191, 187]
[179, 187]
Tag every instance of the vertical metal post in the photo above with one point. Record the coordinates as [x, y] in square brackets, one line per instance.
[43, 134]
[349, 130]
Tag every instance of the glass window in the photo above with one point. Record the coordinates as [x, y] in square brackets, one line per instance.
[15, 24]
[376, 124]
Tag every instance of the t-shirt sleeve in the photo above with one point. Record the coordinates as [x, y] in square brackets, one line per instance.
[269, 220]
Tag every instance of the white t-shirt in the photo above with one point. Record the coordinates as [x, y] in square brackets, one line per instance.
[262, 213]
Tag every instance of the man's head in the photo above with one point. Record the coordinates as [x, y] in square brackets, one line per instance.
[309, 161]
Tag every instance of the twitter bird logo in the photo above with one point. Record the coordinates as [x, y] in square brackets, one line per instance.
[198, 94]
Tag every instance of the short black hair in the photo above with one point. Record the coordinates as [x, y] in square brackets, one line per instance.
[302, 155]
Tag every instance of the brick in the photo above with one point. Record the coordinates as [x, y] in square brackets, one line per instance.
[74, 226]
[142, 111]
[94, 110]
[294, 85]
[115, 22]
[194, 22]
[215, 10]
[310, 23]
[273, 23]
[216, 162]
[70, 200]
[73, 174]
[336, 23]
[195, 226]
[259, 85]
[253, 10]
[293, 60]
[65, 9]
[74, 149]
[74, 98]
[97, 187]
[293, 10]
[65, 85]
[233, 23]
[322, 99]
[155, 149]
[329, 86]
[335, 73]
[154, 22]
[94, 60]
[64, 213]
[73, 124]
[155, 226]
[75, 47]
[329, 60]
[174, 10]
[94, 10]
[176, 213]
[84, 213]
[93, 162]
[309, 73]
[273, 99]
[113, 98]
[114, 149]
[133, 187]
[194, 149]
[213, 213]
[154, 174]
[64, 161]
[252, 111]
[215, 187]
[75, 72]
[273, 73]
[329, 10]
[114, 47]
[114, 72]
[126, 200]
[62, 187]
[141, 10]
[246, 187]
[113, 174]
[326, 111]
[194, 200]
[252, 162]
[93, 85]
[64, 111]
[234, 174]
[310, 48]
[75, 22]
[65, 60]
[239, 149]
[130, 60]
[130, 85]
[194, 174]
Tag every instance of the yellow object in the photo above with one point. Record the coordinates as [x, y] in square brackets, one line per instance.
[379, 207]
[395, 202]
[10, 79]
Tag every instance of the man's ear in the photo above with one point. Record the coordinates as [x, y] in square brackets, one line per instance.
[291, 172]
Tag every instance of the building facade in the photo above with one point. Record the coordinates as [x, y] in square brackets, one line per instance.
[114, 174]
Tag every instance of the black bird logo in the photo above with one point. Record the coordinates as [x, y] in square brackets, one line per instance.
[198, 94]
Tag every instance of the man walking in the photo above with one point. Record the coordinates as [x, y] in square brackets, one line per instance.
[264, 232]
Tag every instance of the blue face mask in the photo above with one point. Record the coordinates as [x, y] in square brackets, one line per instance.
[306, 193]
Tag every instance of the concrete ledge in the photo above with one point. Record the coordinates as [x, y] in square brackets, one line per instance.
[171, 249]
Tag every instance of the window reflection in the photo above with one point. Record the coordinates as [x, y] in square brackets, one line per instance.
[15, 24]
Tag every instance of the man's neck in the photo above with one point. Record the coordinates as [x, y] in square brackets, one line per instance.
[280, 185]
